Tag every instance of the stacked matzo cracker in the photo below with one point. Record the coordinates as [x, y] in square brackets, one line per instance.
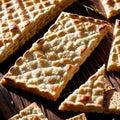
[21, 19]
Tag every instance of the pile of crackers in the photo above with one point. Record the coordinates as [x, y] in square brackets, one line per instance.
[51, 62]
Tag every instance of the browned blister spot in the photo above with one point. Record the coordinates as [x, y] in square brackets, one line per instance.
[91, 26]
[38, 54]
[93, 77]
[82, 49]
[54, 87]
[84, 98]
[69, 67]
[33, 117]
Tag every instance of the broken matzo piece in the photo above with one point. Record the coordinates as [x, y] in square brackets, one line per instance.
[89, 96]
[114, 56]
[31, 112]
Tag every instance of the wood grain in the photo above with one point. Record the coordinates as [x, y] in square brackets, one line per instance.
[13, 100]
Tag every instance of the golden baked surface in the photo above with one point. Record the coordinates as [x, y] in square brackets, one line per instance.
[89, 96]
[78, 117]
[51, 62]
[21, 19]
[31, 112]
[111, 7]
[114, 56]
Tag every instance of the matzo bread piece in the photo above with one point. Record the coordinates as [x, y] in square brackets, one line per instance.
[112, 102]
[51, 62]
[89, 96]
[111, 7]
[81, 116]
[31, 112]
[21, 19]
[114, 56]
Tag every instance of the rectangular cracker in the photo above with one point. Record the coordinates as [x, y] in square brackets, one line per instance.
[21, 19]
[51, 62]
[31, 112]
[114, 56]
[111, 7]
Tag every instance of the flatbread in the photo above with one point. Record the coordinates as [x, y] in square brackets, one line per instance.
[51, 62]
[111, 7]
[81, 116]
[114, 56]
[31, 112]
[112, 102]
[21, 19]
[89, 96]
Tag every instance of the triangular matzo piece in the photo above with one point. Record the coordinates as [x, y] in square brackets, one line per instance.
[89, 96]
[111, 7]
[81, 116]
[21, 19]
[51, 62]
[112, 102]
[114, 56]
[31, 112]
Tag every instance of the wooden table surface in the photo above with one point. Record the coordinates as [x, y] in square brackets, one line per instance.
[13, 100]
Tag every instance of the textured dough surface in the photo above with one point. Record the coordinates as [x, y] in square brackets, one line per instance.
[51, 62]
[111, 7]
[21, 19]
[31, 112]
[114, 56]
[89, 96]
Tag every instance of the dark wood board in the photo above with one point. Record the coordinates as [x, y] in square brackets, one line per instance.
[13, 100]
